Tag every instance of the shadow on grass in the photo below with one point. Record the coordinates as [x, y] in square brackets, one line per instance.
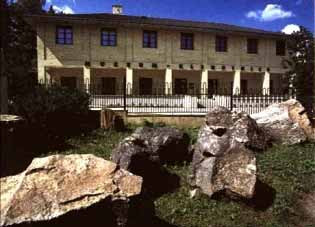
[157, 180]
[263, 198]
[139, 212]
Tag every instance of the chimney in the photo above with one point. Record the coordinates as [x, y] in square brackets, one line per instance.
[117, 9]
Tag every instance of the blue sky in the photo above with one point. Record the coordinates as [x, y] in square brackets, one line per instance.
[272, 15]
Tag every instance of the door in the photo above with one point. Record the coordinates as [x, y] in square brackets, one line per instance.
[180, 86]
[69, 82]
[108, 86]
[212, 87]
[145, 86]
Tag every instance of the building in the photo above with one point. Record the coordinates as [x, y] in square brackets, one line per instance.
[156, 55]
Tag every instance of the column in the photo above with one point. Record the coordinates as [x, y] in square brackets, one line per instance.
[168, 81]
[204, 82]
[86, 78]
[266, 83]
[41, 74]
[129, 80]
[237, 82]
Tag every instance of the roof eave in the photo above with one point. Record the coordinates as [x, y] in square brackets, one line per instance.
[35, 19]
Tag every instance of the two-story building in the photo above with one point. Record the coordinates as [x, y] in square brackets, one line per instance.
[106, 49]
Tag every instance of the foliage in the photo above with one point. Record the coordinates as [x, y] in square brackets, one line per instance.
[301, 65]
[53, 111]
[20, 46]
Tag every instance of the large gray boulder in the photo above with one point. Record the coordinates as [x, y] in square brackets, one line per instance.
[159, 145]
[222, 159]
[286, 123]
[146, 150]
[57, 185]
[224, 129]
[234, 172]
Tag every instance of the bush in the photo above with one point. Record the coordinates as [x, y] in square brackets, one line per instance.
[54, 112]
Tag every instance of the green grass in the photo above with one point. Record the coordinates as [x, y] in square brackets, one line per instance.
[290, 171]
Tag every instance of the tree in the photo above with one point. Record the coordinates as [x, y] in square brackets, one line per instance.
[3, 43]
[301, 66]
[51, 10]
[21, 55]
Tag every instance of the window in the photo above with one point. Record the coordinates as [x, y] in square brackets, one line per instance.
[68, 82]
[252, 46]
[108, 86]
[187, 41]
[221, 44]
[108, 37]
[149, 39]
[64, 35]
[145, 86]
[180, 86]
[280, 48]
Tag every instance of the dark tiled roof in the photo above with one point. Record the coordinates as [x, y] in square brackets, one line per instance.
[154, 22]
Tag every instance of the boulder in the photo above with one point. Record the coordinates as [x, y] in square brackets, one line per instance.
[286, 122]
[234, 172]
[159, 145]
[222, 159]
[57, 185]
[146, 150]
[224, 129]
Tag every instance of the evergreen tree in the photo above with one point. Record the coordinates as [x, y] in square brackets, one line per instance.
[51, 10]
[21, 55]
[301, 66]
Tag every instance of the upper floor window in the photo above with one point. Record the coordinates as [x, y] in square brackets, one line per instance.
[64, 35]
[221, 44]
[150, 39]
[252, 46]
[187, 41]
[280, 47]
[108, 37]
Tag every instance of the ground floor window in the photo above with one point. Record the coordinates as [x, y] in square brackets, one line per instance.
[145, 86]
[69, 82]
[108, 86]
[180, 86]
[244, 87]
[271, 88]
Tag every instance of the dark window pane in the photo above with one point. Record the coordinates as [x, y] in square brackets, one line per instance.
[69, 82]
[108, 86]
[64, 35]
[145, 86]
[252, 46]
[180, 86]
[221, 44]
[187, 41]
[108, 38]
[150, 39]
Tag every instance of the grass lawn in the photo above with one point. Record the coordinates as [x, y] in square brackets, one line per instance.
[288, 173]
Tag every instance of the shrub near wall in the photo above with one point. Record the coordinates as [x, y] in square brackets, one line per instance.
[52, 114]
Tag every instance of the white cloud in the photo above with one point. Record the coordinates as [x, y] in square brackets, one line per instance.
[290, 28]
[64, 9]
[270, 13]
[48, 1]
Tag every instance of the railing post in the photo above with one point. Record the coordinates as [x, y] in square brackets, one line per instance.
[125, 93]
[231, 102]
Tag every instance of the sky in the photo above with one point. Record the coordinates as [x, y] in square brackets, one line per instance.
[272, 15]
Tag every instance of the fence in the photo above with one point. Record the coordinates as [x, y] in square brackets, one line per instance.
[180, 99]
